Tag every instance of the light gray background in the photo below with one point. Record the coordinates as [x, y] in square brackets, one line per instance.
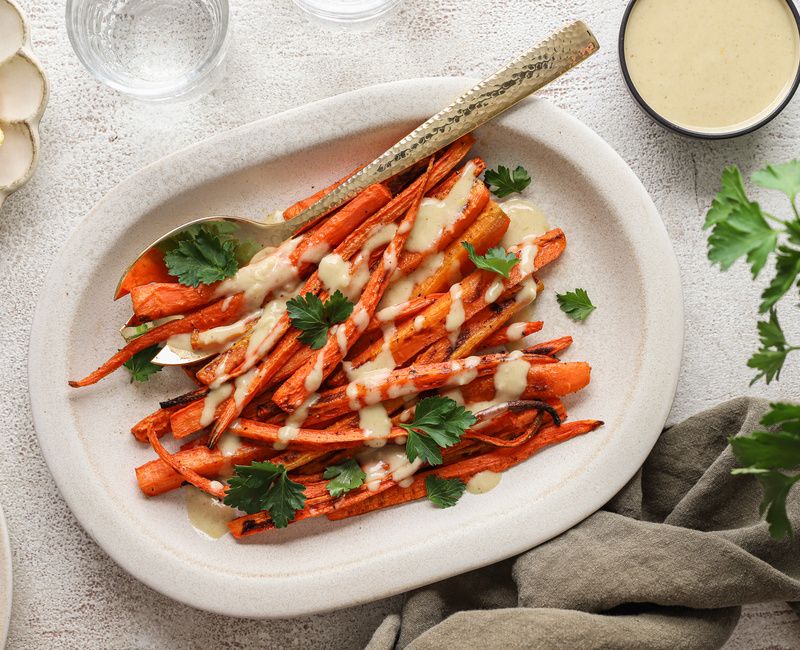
[67, 593]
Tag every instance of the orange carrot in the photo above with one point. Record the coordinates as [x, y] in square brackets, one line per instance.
[513, 332]
[218, 313]
[159, 299]
[150, 267]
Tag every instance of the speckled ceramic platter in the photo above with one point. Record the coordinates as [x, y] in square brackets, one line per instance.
[23, 97]
[618, 250]
[6, 581]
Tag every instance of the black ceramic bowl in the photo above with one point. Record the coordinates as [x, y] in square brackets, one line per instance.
[687, 132]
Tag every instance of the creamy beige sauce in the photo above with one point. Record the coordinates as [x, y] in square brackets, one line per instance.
[334, 272]
[214, 398]
[219, 336]
[242, 386]
[294, 423]
[482, 482]
[456, 314]
[511, 378]
[228, 444]
[390, 460]
[437, 215]
[712, 65]
[375, 422]
[525, 219]
[400, 289]
[208, 515]
[265, 335]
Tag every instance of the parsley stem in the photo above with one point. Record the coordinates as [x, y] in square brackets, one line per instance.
[775, 219]
[794, 208]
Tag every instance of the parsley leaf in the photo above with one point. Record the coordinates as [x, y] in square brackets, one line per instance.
[787, 267]
[438, 422]
[444, 492]
[314, 317]
[346, 476]
[785, 178]
[496, 259]
[764, 453]
[504, 181]
[141, 365]
[575, 304]
[203, 258]
[739, 227]
[770, 358]
[265, 486]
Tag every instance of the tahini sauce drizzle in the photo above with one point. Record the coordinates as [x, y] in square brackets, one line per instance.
[208, 515]
[482, 482]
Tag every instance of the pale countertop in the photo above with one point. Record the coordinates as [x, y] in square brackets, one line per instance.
[67, 592]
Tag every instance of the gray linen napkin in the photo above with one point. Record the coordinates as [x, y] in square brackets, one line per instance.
[666, 564]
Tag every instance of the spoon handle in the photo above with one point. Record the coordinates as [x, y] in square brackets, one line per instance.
[524, 75]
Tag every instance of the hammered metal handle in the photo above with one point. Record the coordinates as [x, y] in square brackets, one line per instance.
[524, 75]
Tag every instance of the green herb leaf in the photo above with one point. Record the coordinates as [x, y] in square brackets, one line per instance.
[787, 267]
[346, 476]
[785, 177]
[141, 365]
[575, 304]
[769, 359]
[504, 181]
[739, 227]
[496, 259]
[444, 492]
[265, 486]
[202, 259]
[438, 422]
[313, 317]
[776, 487]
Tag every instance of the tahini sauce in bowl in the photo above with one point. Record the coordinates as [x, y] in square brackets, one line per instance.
[711, 68]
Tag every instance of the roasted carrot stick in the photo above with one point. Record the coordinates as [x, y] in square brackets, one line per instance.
[548, 379]
[159, 299]
[312, 438]
[296, 208]
[156, 477]
[150, 267]
[218, 313]
[513, 332]
[493, 461]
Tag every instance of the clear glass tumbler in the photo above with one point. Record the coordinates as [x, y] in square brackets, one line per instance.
[154, 50]
[344, 12]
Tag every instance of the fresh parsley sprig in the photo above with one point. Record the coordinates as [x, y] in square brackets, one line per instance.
[496, 259]
[741, 229]
[575, 304]
[141, 365]
[345, 476]
[438, 422]
[313, 317]
[444, 492]
[206, 253]
[265, 486]
[503, 181]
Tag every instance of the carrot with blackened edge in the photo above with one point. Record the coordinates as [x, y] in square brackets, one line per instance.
[218, 313]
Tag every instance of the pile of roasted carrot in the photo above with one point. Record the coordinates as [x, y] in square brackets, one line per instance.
[299, 408]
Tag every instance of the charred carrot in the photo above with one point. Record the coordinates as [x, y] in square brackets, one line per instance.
[218, 313]
[513, 332]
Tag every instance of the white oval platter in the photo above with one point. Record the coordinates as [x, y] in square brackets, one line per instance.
[617, 249]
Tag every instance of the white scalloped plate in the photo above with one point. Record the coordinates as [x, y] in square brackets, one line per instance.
[618, 249]
[23, 98]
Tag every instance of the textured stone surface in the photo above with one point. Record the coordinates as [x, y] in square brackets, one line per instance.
[67, 592]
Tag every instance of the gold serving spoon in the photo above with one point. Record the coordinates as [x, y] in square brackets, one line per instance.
[524, 75]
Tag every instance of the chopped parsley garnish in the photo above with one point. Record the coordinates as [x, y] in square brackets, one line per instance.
[575, 304]
[504, 181]
[496, 259]
[438, 422]
[206, 253]
[345, 476]
[741, 229]
[141, 365]
[313, 317]
[444, 492]
[265, 486]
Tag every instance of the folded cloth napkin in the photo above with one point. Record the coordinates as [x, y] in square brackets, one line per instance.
[666, 564]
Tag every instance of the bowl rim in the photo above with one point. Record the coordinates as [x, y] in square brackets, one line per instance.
[161, 92]
[702, 135]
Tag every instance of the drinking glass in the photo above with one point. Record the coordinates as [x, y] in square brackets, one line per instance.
[154, 50]
[344, 12]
